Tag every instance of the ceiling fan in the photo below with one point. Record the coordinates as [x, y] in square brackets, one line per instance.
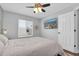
[38, 7]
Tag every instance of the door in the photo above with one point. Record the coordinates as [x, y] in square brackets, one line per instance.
[66, 31]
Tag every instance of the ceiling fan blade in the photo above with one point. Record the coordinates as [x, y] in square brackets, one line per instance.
[29, 6]
[46, 5]
[43, 10]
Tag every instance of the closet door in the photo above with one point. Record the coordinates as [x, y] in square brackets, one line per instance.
[66, 31]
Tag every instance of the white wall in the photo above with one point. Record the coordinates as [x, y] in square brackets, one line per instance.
[77, 27]
[10, 22]
[53, 33]
[1, 21]
[48, 33]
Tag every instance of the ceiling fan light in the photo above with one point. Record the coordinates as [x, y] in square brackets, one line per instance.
[36, 10]
[40, 10]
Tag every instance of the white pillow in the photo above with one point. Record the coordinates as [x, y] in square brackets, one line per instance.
[4, 39]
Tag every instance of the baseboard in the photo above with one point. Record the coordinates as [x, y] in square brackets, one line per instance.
[72, 53]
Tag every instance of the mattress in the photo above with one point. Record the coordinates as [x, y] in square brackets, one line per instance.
[35, 46]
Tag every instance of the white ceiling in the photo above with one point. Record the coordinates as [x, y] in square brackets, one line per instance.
[20, 8]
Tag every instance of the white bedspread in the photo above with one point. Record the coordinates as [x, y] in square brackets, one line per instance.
[34, 46]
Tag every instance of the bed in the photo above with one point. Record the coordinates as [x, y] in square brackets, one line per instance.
[35, 46]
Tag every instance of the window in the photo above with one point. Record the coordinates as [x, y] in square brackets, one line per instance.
[25, 28]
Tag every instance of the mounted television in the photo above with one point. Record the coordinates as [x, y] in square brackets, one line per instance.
[50, 23]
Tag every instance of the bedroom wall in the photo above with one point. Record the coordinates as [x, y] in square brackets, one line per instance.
[10, 22]
[48, 33]
[53, 33]
[1, 16]
[0, 19]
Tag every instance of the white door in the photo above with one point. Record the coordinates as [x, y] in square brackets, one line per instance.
[60, 30]
[66, 31]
